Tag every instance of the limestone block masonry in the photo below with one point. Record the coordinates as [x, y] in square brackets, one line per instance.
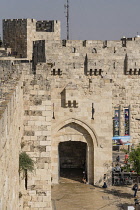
[57, 94]
[11, 132]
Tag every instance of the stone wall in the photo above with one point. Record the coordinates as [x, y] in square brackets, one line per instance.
[37, 138]
[71, 96]
[11, 127]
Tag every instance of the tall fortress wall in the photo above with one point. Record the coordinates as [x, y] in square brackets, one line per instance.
[57, 91]
[11, 127]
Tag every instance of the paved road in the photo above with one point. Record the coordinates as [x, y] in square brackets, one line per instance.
[73, 195]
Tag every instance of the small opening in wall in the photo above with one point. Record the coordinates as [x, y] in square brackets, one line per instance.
[53, 71]
[135, 71]
[100, 71]
[139, 72]
[114, 65]
[130, 71]
[95, 72]
[59, 72]
[84, 43]
[73, 50]
[69, 103]
[90, 73]
[94, 50]
[74, 103]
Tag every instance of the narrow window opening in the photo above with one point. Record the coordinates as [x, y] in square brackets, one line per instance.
[95, 72]
[114, 65]
[130, 71]
[59, 72]
[53, 71]
[100, 71]
[74, 103]
[73, 50]
[90, 72]
[135, 71]
[69, 103]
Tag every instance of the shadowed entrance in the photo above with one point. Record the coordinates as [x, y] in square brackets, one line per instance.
[72, 159]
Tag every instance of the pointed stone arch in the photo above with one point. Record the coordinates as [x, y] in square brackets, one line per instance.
[73, 130]
[90, 130]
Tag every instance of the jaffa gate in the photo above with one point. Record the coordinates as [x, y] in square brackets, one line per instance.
[64, 103]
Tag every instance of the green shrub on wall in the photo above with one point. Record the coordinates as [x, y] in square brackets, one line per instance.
[25, 164]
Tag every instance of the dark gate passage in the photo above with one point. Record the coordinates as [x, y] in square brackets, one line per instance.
[72, 159]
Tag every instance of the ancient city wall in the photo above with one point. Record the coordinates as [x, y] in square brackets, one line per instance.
[116, 62]
[37, 138]
[68, 95]
[11, 127]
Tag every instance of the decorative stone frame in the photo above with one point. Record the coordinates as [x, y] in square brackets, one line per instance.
[88, 136]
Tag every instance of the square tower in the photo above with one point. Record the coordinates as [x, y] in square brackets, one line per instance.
[19, 34]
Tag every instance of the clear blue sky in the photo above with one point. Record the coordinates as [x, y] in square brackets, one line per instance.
[89, 19]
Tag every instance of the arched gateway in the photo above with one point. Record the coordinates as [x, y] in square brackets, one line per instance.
[73, 144]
